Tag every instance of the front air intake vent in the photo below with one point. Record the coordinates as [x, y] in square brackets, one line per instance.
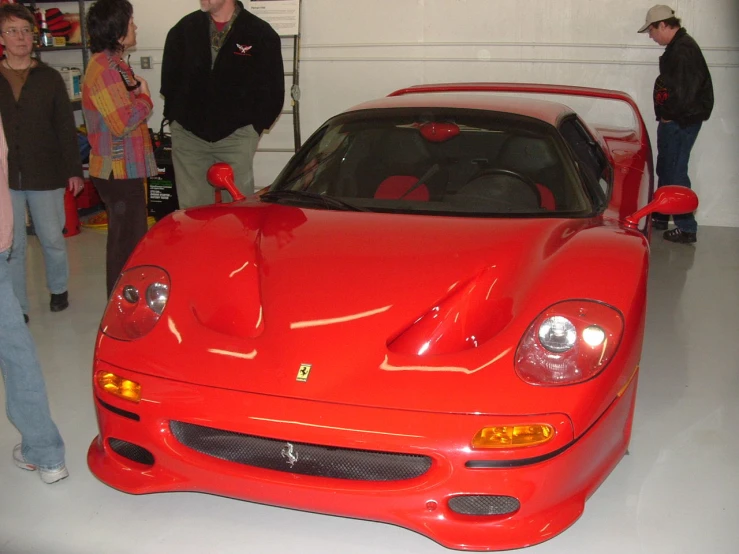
[300, 458]
[484, 505]
[131, 451]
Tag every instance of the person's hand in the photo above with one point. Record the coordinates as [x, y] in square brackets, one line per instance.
[76, 184]
[144, 88]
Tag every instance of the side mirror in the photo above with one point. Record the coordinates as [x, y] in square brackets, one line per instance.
[668, 200]
[221, 176]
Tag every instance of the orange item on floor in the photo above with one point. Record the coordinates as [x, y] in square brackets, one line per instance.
[97, 221]
[72, 219]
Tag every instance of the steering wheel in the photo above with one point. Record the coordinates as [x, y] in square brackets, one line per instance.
[510, 173]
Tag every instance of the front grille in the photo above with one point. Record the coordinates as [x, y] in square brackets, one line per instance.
[484, 505]
[131, 451]
[300, 458]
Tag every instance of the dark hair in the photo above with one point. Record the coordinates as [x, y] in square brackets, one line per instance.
[673, 22]
[107, 24]
[18, 11]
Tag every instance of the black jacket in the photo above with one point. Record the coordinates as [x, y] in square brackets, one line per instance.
[246, 86]
[39, 128]
[683, 92]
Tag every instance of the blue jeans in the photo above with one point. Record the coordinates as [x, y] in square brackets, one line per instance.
[25, 392]
[47, 212]
[673, 154]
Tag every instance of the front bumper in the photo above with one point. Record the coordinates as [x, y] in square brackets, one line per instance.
[550, 489]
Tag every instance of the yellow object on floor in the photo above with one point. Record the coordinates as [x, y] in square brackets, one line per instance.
[100, 221]
[97, 221]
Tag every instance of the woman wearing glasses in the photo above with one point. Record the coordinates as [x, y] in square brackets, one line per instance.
[43, 156]
[117, 105]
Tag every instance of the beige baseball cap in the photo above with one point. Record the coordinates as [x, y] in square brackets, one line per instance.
[657, 13]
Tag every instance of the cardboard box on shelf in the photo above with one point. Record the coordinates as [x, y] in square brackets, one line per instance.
[73, 78]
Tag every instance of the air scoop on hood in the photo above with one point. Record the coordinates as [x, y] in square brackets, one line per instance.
[468, 316]
[237, 309]
[225, 293]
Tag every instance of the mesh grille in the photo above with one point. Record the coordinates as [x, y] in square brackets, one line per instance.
[132, 451]
[479, 505]
[300, 458]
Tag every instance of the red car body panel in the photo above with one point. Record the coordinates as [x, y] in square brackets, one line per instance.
[259, 289]
[566, 480]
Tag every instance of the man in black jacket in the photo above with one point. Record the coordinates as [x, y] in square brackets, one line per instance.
[223, 84]
[683, 100]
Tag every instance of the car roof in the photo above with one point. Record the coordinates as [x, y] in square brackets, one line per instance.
[550, 112]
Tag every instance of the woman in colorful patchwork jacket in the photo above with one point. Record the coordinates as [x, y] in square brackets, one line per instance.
[117, 105]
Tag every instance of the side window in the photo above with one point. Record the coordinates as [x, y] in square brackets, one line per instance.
[588, 153]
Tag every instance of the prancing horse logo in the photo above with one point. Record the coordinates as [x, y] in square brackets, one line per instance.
[288, 451]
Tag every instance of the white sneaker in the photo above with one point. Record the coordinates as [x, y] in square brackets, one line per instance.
[48, 476]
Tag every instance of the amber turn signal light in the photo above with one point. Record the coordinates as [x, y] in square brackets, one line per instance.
[513, 436]
[118, 386]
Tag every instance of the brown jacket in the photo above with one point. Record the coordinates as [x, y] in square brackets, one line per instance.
[43, 152]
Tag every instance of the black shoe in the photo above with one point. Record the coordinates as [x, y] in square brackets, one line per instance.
[59, 302]
[659, 224]
[26, 318]
[681, 237]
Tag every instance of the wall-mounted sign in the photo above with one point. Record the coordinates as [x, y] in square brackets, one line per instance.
[283, 15]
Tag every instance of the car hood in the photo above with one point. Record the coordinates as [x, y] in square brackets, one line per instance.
[372, 309]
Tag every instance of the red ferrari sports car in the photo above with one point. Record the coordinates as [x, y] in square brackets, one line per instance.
[432, 318]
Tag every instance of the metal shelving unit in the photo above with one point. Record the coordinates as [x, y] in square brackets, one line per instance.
[40, 50]
[82, 47]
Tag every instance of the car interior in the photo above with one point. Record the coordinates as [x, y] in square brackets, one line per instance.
[471, 169]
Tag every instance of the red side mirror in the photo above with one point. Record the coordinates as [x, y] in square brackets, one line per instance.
[221, 176]
[668, 200]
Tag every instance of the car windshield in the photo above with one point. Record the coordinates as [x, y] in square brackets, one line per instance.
[436, 162]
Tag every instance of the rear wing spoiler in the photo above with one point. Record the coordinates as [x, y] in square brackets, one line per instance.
[535, 89]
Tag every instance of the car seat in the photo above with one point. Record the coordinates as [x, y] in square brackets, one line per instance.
[398, 186]
[396, 159]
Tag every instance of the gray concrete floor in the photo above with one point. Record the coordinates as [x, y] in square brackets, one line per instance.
[678, 491]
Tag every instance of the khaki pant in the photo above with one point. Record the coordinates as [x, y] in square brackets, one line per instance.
[193, 156]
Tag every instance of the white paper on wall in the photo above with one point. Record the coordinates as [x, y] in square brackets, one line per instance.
[282, 15]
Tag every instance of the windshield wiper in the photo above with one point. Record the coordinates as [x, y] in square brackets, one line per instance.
[314, 198]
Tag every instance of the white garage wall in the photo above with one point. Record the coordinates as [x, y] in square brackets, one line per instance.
[354, 50]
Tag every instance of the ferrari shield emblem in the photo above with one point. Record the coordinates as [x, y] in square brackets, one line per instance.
[303, 373]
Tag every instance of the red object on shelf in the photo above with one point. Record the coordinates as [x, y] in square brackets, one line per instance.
[72, 220]
[89, 196]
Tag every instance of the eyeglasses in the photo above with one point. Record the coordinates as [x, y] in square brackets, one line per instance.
[13, 32]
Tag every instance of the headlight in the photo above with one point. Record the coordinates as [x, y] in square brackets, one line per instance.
[557, 334]
[157, 295]
[569, 343]
[127, 316]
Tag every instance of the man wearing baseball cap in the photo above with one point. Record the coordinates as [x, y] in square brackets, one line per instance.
[683, 100]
